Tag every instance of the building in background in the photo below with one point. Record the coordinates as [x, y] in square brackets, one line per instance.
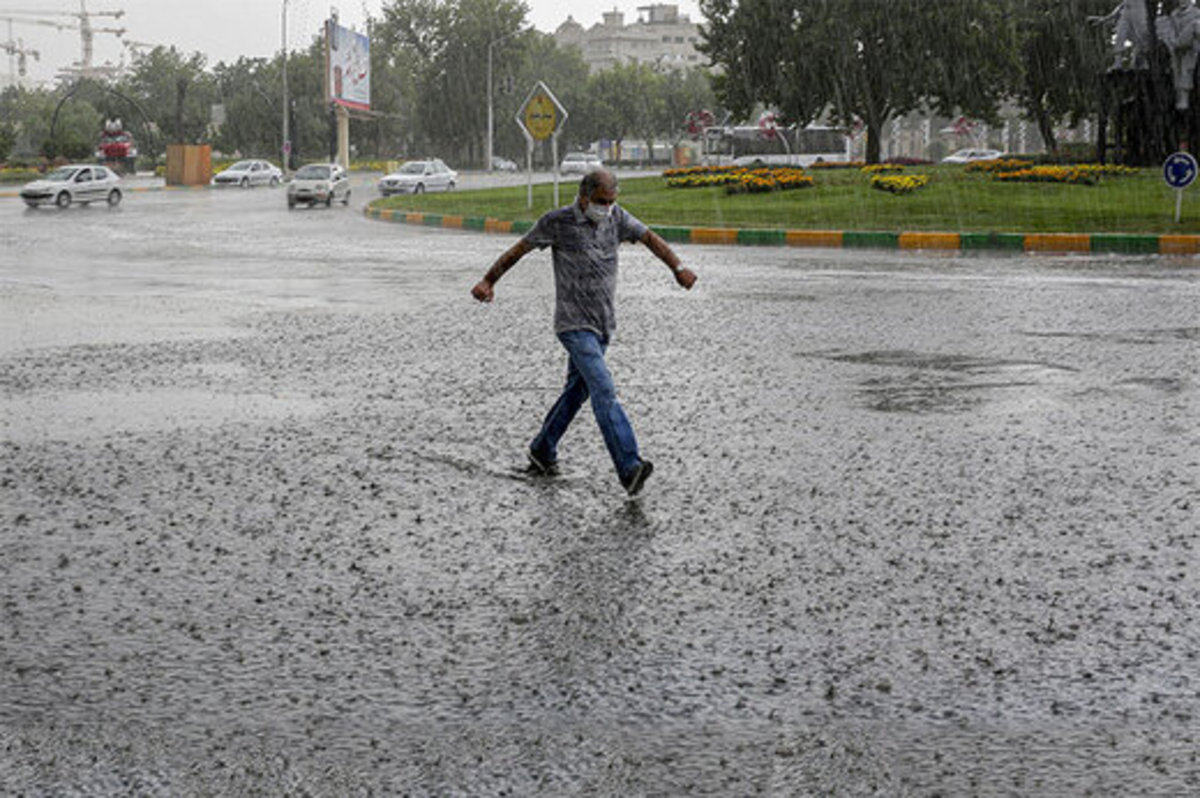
[661, 37]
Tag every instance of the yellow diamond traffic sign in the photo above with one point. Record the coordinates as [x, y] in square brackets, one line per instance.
[541, 116]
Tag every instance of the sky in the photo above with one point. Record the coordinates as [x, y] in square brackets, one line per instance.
[225, 29]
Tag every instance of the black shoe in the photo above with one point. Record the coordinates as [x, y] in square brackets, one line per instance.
[540, 467]
[637, 477]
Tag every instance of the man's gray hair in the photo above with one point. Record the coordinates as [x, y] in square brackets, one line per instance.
[594, 180]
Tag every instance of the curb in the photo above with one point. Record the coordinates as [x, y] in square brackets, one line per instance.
[1108, 243]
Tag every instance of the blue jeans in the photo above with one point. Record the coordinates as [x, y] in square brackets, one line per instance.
[588, 375]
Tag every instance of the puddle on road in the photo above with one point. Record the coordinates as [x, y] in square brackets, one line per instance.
[941, 383]
[967, 364]
[97, 414]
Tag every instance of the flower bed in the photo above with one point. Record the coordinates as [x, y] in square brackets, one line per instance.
[760, 181]
[899, 184]
[998, 165]
[694, 171]
[739, 180]
[1074, 175]
[837, 165]
[879, 168]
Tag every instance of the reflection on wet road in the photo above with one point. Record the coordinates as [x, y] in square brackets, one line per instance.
[919, 525]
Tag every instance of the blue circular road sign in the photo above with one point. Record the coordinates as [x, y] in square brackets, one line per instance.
[1179, 170]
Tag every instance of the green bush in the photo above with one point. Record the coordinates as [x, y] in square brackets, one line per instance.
[8, 138]
[69, 147]
[1077, 152]
[18, 174]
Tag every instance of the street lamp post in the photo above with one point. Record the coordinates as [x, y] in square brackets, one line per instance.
[287, 149]
[490, 104]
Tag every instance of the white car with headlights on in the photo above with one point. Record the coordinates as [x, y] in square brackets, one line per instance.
[249, 173]
[319, 182]
[417, 177]
[82, 183]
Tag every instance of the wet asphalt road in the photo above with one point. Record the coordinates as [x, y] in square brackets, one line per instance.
[921, 525]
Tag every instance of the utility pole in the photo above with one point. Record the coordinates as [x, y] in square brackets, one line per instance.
[287, 144]
[490, 104]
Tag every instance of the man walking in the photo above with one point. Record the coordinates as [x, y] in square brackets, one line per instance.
[584, 237]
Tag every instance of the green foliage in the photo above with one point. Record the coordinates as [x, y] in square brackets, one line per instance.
[1058, 54]
[865, 60]
[8, 138]
[872, 60]
[429, 63]
[175, 91]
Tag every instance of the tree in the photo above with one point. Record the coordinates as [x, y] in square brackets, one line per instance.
[176, 90]
[627, 100]
[447, 43]
[683, 92]
[1059, 57]
[8, 138]
[859, 59]
[250, 89]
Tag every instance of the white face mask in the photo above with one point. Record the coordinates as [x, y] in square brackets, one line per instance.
[597, 213]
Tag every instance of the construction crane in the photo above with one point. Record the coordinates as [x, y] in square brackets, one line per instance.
[87, 31]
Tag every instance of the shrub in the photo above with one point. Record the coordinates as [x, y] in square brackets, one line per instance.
[18, 174]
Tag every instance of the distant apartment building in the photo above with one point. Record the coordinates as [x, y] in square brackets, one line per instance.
[661, 37]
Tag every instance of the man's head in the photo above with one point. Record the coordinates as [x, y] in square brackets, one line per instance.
[598, 186]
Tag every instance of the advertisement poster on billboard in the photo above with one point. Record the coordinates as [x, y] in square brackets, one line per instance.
[347, 67]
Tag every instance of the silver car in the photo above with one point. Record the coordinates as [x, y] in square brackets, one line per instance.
[249, 173]
[82, 183]
[319, 182]
[417, 177]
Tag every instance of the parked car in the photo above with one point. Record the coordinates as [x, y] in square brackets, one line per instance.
[503, 165]
[82, 183]
[319, 182]
[249, 173]
[416, 177]
[579, 163]
[969, 155]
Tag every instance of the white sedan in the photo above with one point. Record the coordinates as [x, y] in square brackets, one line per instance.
[580, 163]
[969, 155]
[82, 183]
[417, 177]
[249, 173]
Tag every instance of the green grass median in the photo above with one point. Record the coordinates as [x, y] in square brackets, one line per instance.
[954, 200]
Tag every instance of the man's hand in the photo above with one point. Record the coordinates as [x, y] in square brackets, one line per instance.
[685, 277]
[483, 291]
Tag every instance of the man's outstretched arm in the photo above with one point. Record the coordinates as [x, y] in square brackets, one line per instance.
[484, 289]
[662, 250]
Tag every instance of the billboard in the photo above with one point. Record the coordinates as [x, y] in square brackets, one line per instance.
[347, 67]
